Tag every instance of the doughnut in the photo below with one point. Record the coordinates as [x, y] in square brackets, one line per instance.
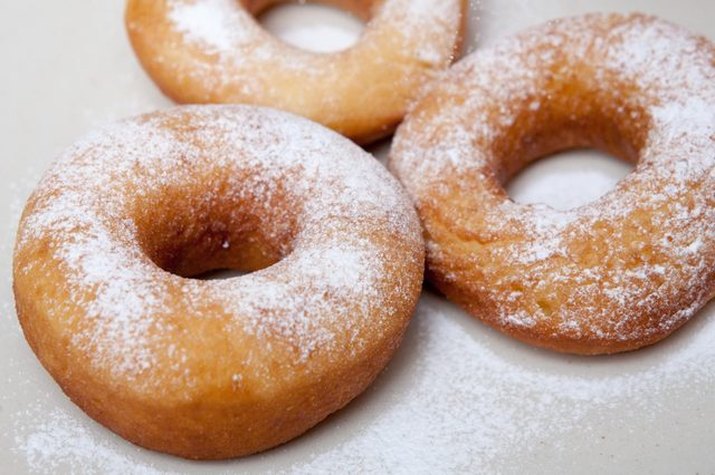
[214, 51]
[114, 242]
[616, 274]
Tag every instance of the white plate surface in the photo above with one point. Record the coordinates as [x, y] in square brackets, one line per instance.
[458, 397]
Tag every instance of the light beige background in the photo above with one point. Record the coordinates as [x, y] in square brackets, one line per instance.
[458, 397]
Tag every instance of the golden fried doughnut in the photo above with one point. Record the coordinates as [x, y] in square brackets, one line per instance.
[214, 51]
[617, 274]
[208, 369]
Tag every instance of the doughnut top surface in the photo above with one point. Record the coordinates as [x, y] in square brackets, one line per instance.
[243, 187]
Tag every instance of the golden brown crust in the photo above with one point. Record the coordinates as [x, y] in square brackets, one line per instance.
[614, 275]
[220, 54]
[215, 369]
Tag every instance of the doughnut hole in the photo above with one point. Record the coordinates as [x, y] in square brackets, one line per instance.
[571, 113]
[339, 35]
[568, 179]
[190, 231]
[363, 9]
[313, 27]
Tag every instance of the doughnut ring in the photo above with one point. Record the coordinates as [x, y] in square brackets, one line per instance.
[614, 275]
[214, 51]
[111, 240]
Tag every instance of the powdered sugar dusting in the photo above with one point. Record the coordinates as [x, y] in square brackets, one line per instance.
[592, 272]
[332, 281]
[222, 26]
[461, 389]
[219, 25]
[311, 299]
[214, 51]
[433, 19]
[470, 396]
[60, 442]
